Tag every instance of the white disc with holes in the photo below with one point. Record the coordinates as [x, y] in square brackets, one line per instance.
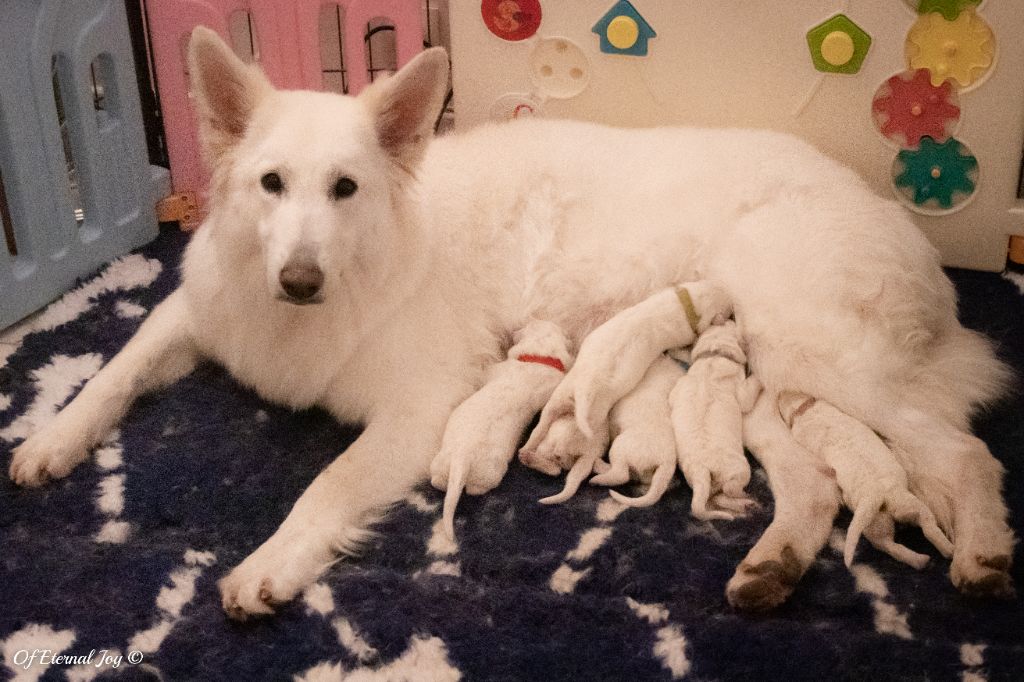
[558, 68]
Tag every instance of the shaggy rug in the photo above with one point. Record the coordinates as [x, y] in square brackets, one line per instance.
[111, 572]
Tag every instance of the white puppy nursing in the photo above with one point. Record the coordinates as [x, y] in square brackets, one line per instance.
[573, 429]
[708, 405]
[643, 446]
[873, 484]
[483, 431]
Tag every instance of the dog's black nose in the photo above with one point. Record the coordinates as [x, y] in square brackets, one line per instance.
[301, 281]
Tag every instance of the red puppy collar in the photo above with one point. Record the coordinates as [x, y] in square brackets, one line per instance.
[543, 360]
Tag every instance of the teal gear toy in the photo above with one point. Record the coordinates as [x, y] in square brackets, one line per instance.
[937, 170]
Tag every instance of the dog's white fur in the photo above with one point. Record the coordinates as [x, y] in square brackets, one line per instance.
[449, 245]
[708, 404]
[872, 483]
[481, 435]
[643, 446]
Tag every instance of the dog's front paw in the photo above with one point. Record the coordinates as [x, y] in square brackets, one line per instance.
[43, 457]
[273, 574]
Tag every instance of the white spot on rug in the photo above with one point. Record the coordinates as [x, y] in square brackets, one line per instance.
[111, 495]
[110, 492]
[54, 384]
[5, 402]
[889, 620]
[426, 658]
[129, 310]
[127, 272]
[32, 637]
[350, 638]
[1015, 278]
[170, 602]
[441, 548]
[109, 455]
[972, 656]
[589, 543]
[318, 599]
[670, 647]
[419, 502]
[565, 578]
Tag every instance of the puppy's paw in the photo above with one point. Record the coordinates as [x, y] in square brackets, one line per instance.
[43, 457]
[273, 574]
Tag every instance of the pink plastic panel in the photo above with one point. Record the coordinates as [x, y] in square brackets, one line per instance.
[288, 50]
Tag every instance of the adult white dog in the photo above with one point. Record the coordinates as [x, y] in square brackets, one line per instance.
[348, 261]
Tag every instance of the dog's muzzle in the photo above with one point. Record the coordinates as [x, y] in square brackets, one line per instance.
[301, 282]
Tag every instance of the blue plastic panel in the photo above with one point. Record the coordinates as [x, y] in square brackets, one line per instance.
[107, 146]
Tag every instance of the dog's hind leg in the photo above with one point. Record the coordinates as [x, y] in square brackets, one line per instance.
[957, 477]
[806, 502]
[331, 517]
[160, 353]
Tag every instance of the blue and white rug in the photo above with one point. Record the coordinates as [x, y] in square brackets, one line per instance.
[118, 563]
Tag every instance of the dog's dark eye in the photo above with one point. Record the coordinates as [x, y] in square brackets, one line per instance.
[272, 183]
[344, 187]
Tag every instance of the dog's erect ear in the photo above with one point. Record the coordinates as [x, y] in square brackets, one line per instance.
[225, 91]
[406, 105]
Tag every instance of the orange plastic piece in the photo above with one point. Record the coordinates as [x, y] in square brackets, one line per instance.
[181, 208]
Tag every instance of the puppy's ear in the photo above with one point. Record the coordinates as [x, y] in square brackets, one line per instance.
[226, 91]
[405, 106]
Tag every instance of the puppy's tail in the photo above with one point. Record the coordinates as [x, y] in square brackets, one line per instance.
[701, 485]
[659, 484]
[579, 471]
[456, 483]
[862, 517]
[616, 474]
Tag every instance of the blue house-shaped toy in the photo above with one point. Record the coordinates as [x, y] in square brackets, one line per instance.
[623, 31]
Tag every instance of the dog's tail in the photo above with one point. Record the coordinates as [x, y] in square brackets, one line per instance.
[579, 471]
[863, 515]
[659, 484]
[456, 483]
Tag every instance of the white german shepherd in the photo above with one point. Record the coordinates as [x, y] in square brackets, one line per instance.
[351, 262]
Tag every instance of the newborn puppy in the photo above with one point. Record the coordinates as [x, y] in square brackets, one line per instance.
[572, 448]
[873, 484]
[612, 360]
[482, 433]
[707, 408]
[643, 444]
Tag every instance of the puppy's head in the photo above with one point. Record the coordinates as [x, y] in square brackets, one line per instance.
[722, 338]
[313, 186]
